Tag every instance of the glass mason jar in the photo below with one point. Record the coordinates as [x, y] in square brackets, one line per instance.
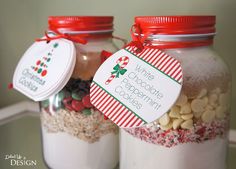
[74, 134]
[193, 133]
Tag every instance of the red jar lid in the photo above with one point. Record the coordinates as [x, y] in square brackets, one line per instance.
[80, 23]
[171, 25]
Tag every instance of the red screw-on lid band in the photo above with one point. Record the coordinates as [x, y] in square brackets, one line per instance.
[80, 23]
[171, 25]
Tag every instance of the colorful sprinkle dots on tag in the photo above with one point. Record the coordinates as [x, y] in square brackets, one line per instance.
[38, 62]
[44, 73]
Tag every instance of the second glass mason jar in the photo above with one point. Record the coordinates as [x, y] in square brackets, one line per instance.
[74, 134]
[193, 133]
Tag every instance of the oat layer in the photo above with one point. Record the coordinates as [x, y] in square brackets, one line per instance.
[85, 127]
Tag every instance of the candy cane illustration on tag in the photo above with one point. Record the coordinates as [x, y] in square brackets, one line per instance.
[118, 69]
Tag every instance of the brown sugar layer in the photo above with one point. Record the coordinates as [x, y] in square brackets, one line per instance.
[86, 65]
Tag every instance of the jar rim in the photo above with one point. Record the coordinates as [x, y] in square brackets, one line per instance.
[171, 25]
[92, 24]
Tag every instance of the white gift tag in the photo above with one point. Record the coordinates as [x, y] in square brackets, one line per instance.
[133, 89]
[45, 68]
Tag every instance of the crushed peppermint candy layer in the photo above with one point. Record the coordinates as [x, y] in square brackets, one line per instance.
[199, 133]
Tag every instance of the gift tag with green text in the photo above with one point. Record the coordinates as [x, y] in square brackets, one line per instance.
[45, 68]
[133, 89]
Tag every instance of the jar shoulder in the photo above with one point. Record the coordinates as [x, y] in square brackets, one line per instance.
[200, 61]
[202, 68]
[97, 46]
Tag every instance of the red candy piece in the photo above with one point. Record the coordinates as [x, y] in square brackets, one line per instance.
[67, 103]
[201, 131]
[77, 105]
[67, 100]
[86, 101]
[69, 107]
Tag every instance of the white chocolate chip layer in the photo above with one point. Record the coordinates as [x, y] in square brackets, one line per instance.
[177, 123]
[206, 107]
[187, 116]
[198, 105]
[188, 124]
[164, 120]
[166, 127]
[216, 91]
[208, 116]
[220, 112]
[182, 100]
[185, 109]
[175, 112]
[197, 115]
[202, 93]
[223, 99]
[213, 99]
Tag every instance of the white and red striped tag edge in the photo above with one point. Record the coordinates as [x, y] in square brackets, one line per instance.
[113, 109]
[161, 61]
[118, 112]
